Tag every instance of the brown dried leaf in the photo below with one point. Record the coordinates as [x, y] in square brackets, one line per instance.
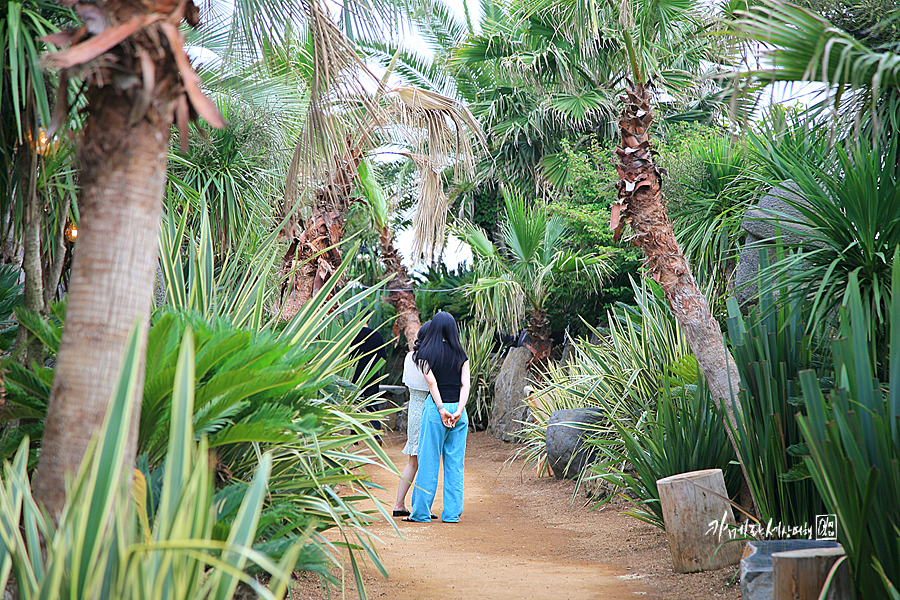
[97, 45]
[63, 38]
[203, 105]
[615, 214]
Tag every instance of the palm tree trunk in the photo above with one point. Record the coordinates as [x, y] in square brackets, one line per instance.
[124, 176]
[401, 296]
[541, 342]
[53, 268]
[310, 260]
[314, 254]
[31, 347]
[640, 195]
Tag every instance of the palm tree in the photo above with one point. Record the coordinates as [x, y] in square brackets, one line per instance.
[513, 282]
[652, 35]
[138, 82]
[861, 84]
[345, 123]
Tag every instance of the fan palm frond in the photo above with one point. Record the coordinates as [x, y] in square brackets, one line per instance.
[803, 46]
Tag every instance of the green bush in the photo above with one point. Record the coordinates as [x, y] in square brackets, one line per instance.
[441, 289]
[104, 544]
[621, 371]
[853, 437]
[684, 434]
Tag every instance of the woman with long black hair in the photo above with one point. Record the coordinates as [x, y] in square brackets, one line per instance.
[444, 421]
[418, 393]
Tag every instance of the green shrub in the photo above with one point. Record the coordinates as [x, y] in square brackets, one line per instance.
[104, 544]
[684, 433]
[853, 437]
[279, 391]
[441, 289]
[621, 371]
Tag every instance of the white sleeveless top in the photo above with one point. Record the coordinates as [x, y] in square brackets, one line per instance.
[412, 376]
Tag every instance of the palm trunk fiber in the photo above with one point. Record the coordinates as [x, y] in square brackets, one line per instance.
[112, 279]
[641, 196]
[310, 260]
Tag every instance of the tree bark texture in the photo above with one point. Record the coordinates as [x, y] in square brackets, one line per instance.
[541, 342]
[54, 265]
[641, 200]
[31, 347]
[310, 260]
[401, 296]
[314, 253]
[124, 177]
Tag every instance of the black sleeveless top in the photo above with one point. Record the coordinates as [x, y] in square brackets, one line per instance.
[449, 381]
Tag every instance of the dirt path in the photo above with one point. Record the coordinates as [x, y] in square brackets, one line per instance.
[520, 537]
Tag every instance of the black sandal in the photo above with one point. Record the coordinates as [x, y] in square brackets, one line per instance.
[401, 513]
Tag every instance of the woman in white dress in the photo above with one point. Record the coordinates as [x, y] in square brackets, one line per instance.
[418, 392]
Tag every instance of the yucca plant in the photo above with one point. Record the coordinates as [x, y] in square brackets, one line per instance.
[230, 284]
[234, 171]
[621, 372]
[853, 438]
[771, 347]
[683, 434]
[479, 345]
[851, 225]
[103, 545]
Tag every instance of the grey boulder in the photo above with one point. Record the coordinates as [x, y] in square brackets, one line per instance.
[510, 411]
[566, 452]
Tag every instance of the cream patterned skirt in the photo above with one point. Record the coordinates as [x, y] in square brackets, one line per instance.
[414, 421]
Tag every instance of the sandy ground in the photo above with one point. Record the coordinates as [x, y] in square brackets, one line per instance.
[522, 537]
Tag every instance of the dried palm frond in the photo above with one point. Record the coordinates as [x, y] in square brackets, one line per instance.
[440, 132]
[420, 111]
[119, 47]
[339, 118]
[430, 220]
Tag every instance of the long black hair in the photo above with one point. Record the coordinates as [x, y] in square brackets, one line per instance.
[423, 331]
[440, 345]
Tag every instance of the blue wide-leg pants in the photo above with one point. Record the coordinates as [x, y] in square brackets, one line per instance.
[435, 442]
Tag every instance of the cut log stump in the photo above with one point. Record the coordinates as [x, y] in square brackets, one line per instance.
[801, 574]
[694, 505]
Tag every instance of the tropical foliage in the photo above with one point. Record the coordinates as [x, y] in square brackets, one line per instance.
[853, 438]
[106, 542]
[683, 434]
[513, 282]
[771, 348]
[326, 137]
[621, 371]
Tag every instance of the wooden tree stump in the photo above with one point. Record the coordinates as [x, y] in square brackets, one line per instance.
[694, 506]
[801, 574]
